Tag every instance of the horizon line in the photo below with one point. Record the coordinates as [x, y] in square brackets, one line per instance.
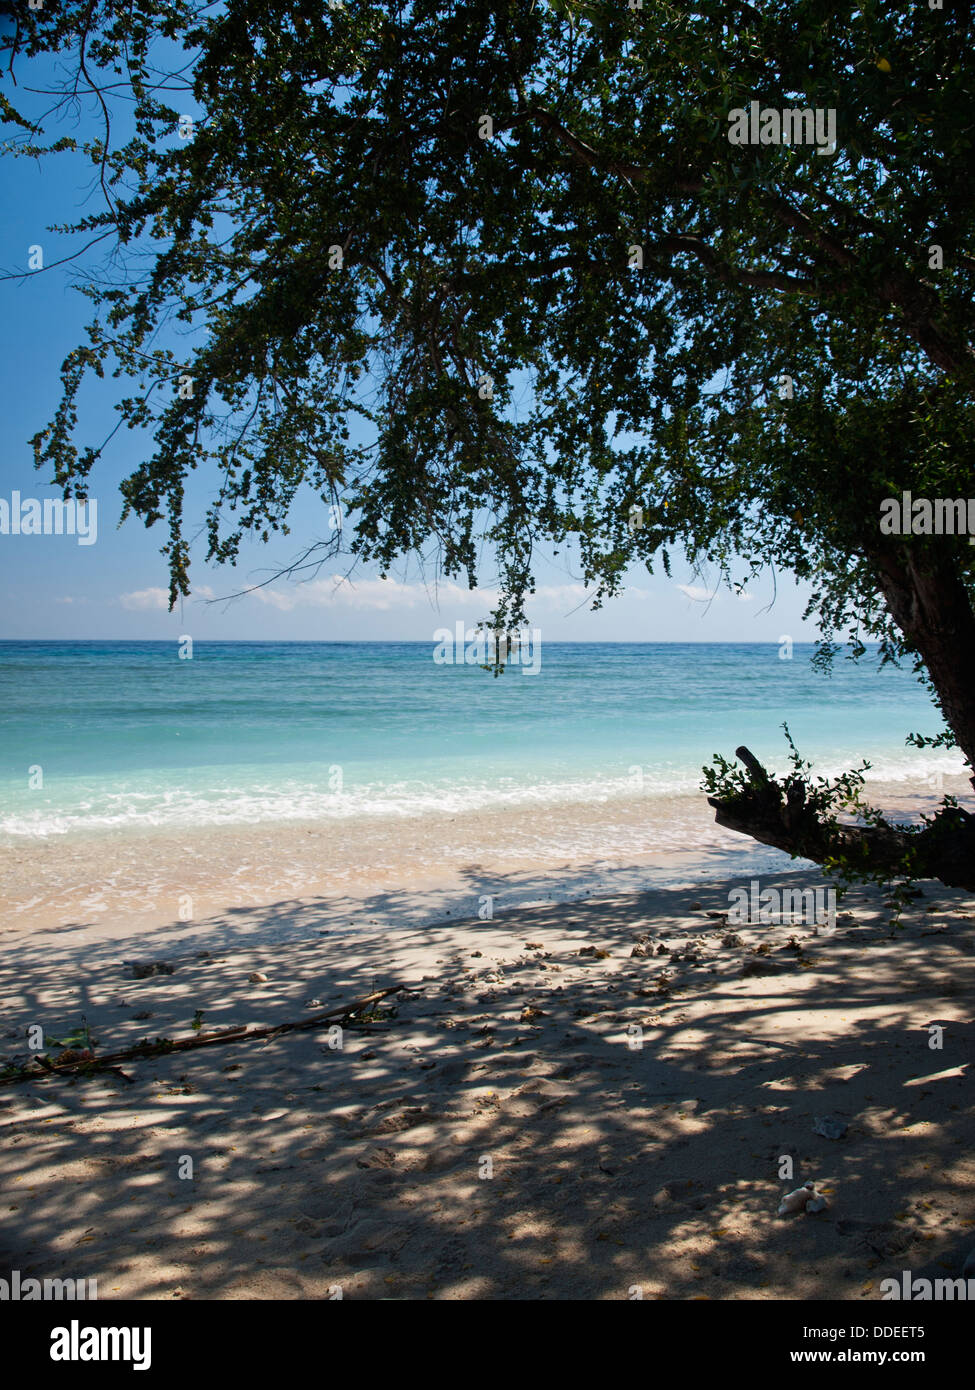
[425, 641]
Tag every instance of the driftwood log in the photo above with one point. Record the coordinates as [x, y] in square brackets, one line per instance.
[778, 814]
[162, 1047]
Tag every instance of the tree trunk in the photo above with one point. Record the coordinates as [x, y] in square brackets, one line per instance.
[928, 601]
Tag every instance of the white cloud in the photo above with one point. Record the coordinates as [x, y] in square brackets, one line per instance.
[386, 595]
[697, 593]
[378, 595]
[157, 600]
[446, 599]
[140, 600]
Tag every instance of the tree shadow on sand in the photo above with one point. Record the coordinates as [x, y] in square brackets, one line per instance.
[531, 1119]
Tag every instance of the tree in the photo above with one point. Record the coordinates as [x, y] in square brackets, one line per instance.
[741, 348]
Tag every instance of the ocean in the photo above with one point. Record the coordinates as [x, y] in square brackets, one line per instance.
[111, 736]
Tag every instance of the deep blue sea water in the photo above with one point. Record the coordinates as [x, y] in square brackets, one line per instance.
[128, 734]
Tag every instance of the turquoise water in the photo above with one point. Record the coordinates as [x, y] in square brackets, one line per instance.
[127, 734]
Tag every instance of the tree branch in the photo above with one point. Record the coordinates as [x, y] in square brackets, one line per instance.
[778, 814]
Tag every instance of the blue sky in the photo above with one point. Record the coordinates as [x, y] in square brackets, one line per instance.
[115, 588]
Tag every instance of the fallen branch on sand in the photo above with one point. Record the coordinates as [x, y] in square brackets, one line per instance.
[162, 1047]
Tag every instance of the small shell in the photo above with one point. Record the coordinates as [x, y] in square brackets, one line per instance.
[796, 1201]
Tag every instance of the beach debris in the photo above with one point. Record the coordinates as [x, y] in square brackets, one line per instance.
[24, 1063]
[694, 907]
[257, 977]
[143, 969]
[805, 1198]
[639, 950]
[77, 1048]
[758, 965]
[829, 1127]
[162, 1046]
[594, 951]
[732, 939]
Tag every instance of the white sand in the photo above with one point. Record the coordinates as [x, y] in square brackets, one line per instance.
[360, 1169]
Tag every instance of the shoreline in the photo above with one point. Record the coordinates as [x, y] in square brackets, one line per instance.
[73, 892]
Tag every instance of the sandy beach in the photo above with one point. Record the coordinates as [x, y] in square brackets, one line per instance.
[588, 1099]
[589, 1083]
[218, 885]
[457, 455]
